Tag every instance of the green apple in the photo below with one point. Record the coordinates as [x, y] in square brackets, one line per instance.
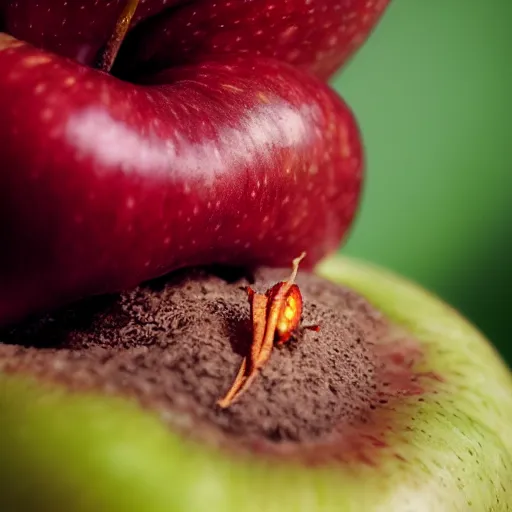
[450, 449]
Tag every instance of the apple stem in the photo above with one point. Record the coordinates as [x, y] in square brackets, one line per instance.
[266, 311]
[109, 55]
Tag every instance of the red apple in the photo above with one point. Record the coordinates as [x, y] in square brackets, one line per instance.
[233, 158]
[318, 35]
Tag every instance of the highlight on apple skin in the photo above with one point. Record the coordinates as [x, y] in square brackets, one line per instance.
[228, 151]
[243, 160]
[266, 157]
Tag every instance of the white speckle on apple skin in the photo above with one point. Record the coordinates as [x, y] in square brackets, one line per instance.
[47, 115]
[36, 60]
[70, 81]
[40, 88]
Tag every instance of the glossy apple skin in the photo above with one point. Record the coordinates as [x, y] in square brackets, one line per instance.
[105, 184]
[317, 35]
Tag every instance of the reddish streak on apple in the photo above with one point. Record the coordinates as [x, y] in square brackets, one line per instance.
[105, 184]
[317, 35]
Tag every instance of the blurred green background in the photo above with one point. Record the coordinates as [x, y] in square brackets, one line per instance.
[432, 90]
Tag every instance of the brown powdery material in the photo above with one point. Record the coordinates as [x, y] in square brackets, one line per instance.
[175, 344]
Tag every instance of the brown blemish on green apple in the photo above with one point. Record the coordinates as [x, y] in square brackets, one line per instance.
[175, 345]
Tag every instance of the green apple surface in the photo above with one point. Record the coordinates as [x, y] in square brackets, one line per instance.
[450, 448]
